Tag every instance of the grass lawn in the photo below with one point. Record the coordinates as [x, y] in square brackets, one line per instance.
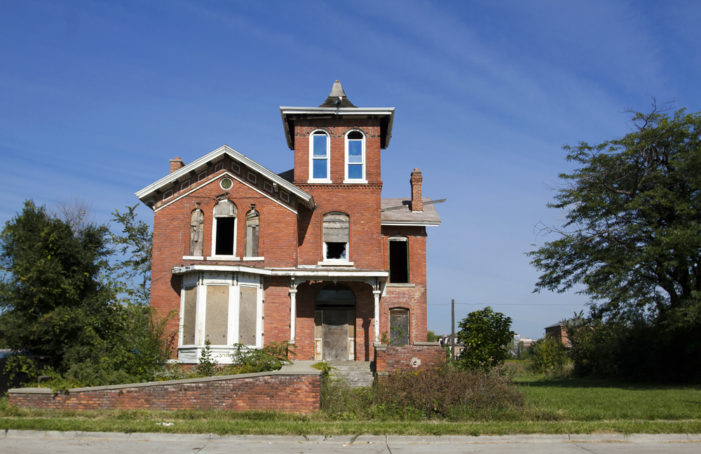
[553, 406]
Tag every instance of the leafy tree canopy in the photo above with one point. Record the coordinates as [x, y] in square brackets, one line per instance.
[59, 299]
[632, 236]
[485, 335]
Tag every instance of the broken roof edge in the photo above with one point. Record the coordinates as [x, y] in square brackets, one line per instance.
[350, 111]
[145, 192]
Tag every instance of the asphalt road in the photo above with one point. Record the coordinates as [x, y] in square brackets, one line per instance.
[37, 442]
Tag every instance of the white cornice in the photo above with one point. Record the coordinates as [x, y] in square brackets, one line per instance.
[293, 272]
[147, 192]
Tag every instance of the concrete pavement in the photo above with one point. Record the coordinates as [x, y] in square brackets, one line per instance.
[38, 442]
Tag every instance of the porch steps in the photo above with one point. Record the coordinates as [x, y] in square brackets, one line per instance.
[356, 374]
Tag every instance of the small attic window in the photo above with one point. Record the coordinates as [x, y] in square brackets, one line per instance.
[202, 176]
[236, 168]
[185, 184]
[218, 166]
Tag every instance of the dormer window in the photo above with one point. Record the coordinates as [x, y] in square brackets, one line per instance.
[355, 157]
[319, 161]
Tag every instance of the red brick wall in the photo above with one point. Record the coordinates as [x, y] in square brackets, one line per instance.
[171, 239]
[277, 391]
[391, 358]
[337, 129]
[413, 295]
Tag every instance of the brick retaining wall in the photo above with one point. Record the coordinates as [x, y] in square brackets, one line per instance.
[417, 356]
[275, 391]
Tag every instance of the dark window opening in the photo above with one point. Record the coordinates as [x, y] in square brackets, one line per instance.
[398, 262]
[336, 250]
[225, 236]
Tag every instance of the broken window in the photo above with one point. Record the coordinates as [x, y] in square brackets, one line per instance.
[398, 326]
[224, 227]
[336, 234]
[252, 225]
[398, 260]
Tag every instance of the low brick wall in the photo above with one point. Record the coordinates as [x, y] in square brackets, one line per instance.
[420, 355]
[276, 391]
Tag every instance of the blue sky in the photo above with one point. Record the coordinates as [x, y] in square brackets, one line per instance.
[97, 96]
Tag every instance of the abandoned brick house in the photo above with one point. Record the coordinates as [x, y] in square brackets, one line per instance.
[313, 255]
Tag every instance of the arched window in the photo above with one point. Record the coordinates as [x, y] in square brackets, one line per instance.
[196, 232]
[252, 226]
[355, 157]
[319, 157]
[223, 236]
[336, 234]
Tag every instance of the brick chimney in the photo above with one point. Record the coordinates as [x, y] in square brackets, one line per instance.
[176, 164]
[417, 203]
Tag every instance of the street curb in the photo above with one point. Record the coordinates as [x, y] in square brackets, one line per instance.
[362, 439]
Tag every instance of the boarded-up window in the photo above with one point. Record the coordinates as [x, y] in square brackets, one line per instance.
[189, 315]
[248, 305]
[398, 260]
[336, 234]
[217, 316]
[398, 326]
[252, 224]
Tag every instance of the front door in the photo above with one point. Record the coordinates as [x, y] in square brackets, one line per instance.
[336, 336]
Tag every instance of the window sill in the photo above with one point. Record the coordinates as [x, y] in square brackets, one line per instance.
[335, 263]
[347, 181]
[193, 257]
[228, 258]
[253, 259]
[401, 285]
[320, 180]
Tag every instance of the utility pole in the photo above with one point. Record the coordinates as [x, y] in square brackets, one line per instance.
[452, 328]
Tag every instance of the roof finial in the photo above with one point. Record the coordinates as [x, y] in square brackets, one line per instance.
[337, 97]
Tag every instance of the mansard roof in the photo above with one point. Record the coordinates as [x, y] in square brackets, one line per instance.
[337, 105]
[150, 193]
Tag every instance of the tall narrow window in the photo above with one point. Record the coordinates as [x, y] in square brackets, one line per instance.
[196, 231]
[398, 326]
[336, 234]
[398, 260]
[252, 225]
[319, 154]
[224, 227]
[355, 156]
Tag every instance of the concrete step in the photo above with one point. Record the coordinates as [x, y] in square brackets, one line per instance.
[356, 374]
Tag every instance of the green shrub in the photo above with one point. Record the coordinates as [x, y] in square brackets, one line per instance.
[206, 366]
[442, 393]
[549, 356]
[271, 357]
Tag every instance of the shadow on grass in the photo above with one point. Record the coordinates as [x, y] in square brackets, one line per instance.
[588, 382]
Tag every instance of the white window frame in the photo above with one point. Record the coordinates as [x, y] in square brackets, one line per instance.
[214, 255]
[221, 353]
[311, 158]
[347, 163]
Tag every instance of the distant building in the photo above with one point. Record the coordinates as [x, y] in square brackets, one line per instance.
[559, 332]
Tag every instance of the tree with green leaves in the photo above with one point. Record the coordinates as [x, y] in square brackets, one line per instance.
[59, 306]
[485, 335]
[632, 236]
[632, 242]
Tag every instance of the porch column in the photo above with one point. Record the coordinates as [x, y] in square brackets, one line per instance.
[293, 309]
[376, 293]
